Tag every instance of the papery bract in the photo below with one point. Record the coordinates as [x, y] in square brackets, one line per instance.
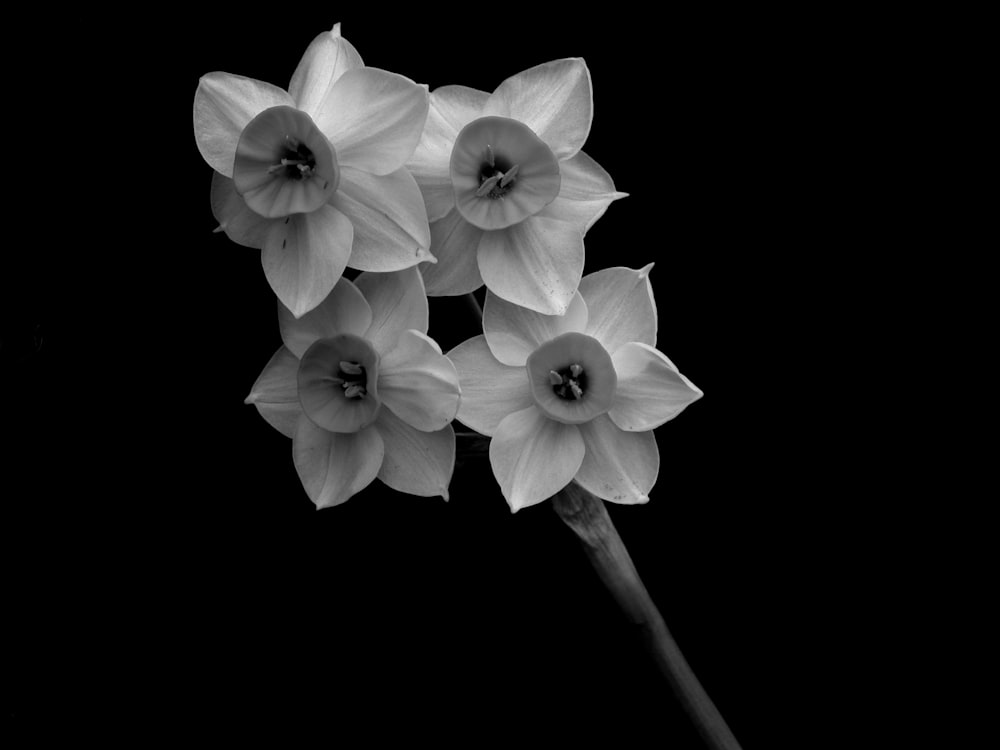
[509, 193]
[314, 176]
[363, 391]
[573, 397]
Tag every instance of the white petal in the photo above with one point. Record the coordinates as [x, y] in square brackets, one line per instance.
[438, 194]
[344, 310]
[534, 457]
[490, 390]
[335, 466]
[241, 223]
[619, 466]
[305, 254]
[389, 219]
[553, 99]
[536, 264]
[621, 306]
[514, 332]
[223, 105]
[451, 109]
[650, 391]
[585, 193]
[374, 119]
[397, 302]
[276, 393]
[324, 62]
[418, 382]
[455, 244]
[419, 463]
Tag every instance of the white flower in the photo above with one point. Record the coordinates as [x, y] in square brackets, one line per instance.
[509, 193]
[314, 176]
[363, 391]
[573, 397]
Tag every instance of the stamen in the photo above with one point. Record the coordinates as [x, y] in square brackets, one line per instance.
[555, 378]
[575, 370]
[354, 391]
[335, 381]
[489, 156]
[351, 368]
[487, 185]
[575, 388]
[511, 174]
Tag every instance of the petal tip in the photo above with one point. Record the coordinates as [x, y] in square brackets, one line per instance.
[335, 31]
[644, 271]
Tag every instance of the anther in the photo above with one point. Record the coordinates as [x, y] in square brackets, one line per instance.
[354, 391]
[351, 368]
[575, 370]
[575, 388]
[511, 174]
[555, 378]
[487, 185]
[489, 155]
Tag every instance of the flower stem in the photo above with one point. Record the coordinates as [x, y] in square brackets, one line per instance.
[588, 517]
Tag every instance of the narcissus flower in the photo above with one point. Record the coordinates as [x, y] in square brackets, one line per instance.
[509, 193]
[573, 397]
[314, 175]
[363, 391]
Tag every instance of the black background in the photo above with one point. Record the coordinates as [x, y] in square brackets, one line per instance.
[167, 572]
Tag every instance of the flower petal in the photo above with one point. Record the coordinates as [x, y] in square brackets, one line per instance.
[514, 332]
[585, 193]
[419, 463]
[621, 306]
[553, 99]
[275, 393]
[345, 310]
[335, 466]
[397, 302]
[651, 390]
[534, 457]
[450, 109]
[536, 264]
[223, 105]
[418, 382]
[455, 244]
[305, 254]
[389, 219]
[374, 119]
[241, 223]
[438, 194]
[324, 62]
[490, 390]
[619, 466]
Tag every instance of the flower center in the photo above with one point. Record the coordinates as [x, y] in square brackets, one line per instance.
[352, 378]
[502, 173]
[297, 161]
[496, 176]
[572, 378]
[570, 383]
[338, 383]
[284, 164]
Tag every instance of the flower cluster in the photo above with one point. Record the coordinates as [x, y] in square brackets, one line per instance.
[437, 194]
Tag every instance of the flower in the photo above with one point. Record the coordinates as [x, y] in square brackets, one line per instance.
[573, 397]
[314, 175]
[363, 391]
[509, 193]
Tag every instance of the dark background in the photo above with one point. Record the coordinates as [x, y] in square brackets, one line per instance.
[169, 574]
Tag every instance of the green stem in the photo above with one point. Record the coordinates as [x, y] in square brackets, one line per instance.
[588, 517]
